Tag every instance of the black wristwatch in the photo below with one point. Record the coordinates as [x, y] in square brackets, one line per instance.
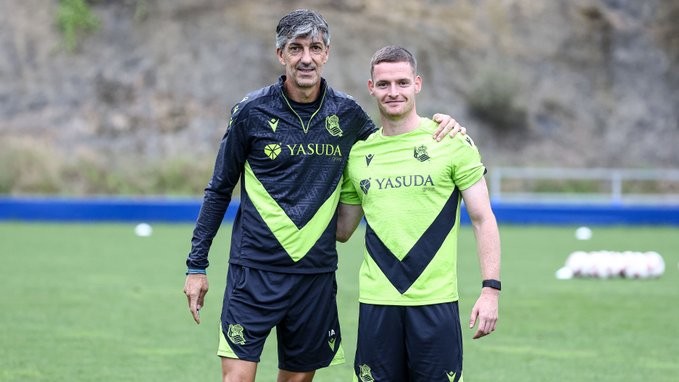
[490, 283]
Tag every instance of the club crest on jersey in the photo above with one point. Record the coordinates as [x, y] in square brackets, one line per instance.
[420, 153]
[333, 126]
[272, 150]
[365, 374]
[368, 159]
[235, 334]
[365, 185]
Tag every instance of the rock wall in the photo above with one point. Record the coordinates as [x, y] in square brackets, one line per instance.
[593, 83]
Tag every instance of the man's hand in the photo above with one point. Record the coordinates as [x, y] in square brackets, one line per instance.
[195, 288]
[447, 125]
[485, 311]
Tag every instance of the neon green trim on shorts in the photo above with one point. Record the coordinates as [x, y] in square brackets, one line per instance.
[338, 359]
[224, 349]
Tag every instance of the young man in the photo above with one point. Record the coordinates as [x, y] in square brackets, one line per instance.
[410, 191]
[288, 144]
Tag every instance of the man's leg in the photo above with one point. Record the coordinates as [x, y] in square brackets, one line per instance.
[292, 376]
[238, 370]
[246, 322]
[309, 336]
[380, 349]
[434, 342]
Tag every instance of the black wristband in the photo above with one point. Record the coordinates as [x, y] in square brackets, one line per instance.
[490, 283]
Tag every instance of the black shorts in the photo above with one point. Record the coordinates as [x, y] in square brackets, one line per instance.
[301, 307]
[409, 343]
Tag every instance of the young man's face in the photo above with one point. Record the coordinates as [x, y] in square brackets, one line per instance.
[304, 58]
[394, 86]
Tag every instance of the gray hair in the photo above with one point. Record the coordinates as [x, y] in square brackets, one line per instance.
[302, 23]
[392, 53]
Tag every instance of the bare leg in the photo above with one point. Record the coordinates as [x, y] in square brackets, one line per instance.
[290, 376]
[238, 370]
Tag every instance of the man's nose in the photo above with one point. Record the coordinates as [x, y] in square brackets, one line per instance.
[306, 55]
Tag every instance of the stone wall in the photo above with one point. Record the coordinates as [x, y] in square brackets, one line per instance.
[593, 83]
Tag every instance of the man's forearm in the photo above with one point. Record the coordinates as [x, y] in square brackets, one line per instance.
[209, 220]
[488, 247]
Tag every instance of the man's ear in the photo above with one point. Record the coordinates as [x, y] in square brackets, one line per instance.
[371, 85]
[327, 54]
[279, 54]
[418, 84]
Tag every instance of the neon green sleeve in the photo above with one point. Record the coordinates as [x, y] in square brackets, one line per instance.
[468, 166]
[348, 194]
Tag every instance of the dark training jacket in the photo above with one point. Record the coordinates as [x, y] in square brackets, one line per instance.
[290, 166]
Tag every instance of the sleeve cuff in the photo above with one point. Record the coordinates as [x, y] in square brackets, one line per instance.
[194, 271]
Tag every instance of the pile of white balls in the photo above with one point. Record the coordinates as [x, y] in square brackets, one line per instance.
[610, 264]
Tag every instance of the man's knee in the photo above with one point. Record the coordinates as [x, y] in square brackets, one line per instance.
[238, 370]
[290, 376]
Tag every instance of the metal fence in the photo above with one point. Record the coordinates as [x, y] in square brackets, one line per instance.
[593, 185]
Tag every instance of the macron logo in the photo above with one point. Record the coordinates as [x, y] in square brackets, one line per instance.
[273, 124]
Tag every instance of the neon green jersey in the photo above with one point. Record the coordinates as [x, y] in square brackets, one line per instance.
[409, 187]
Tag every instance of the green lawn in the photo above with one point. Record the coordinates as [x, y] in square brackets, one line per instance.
[93, 302]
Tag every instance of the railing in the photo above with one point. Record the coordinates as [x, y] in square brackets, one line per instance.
[593, 185]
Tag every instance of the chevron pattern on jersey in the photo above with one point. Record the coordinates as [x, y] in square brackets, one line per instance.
[296, 241]
[404, 273]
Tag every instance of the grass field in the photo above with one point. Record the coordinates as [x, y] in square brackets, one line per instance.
[93, 302]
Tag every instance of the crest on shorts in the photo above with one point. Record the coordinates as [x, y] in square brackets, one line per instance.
[420, 153]
[333, 126]
[451, 376]
[235, 334]
[365, 374]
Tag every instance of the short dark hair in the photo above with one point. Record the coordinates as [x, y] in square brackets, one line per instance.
[302, 23]
[392, 53]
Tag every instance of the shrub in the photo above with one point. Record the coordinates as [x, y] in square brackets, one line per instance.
[493, 99]
[75, 18]
[28, 166]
